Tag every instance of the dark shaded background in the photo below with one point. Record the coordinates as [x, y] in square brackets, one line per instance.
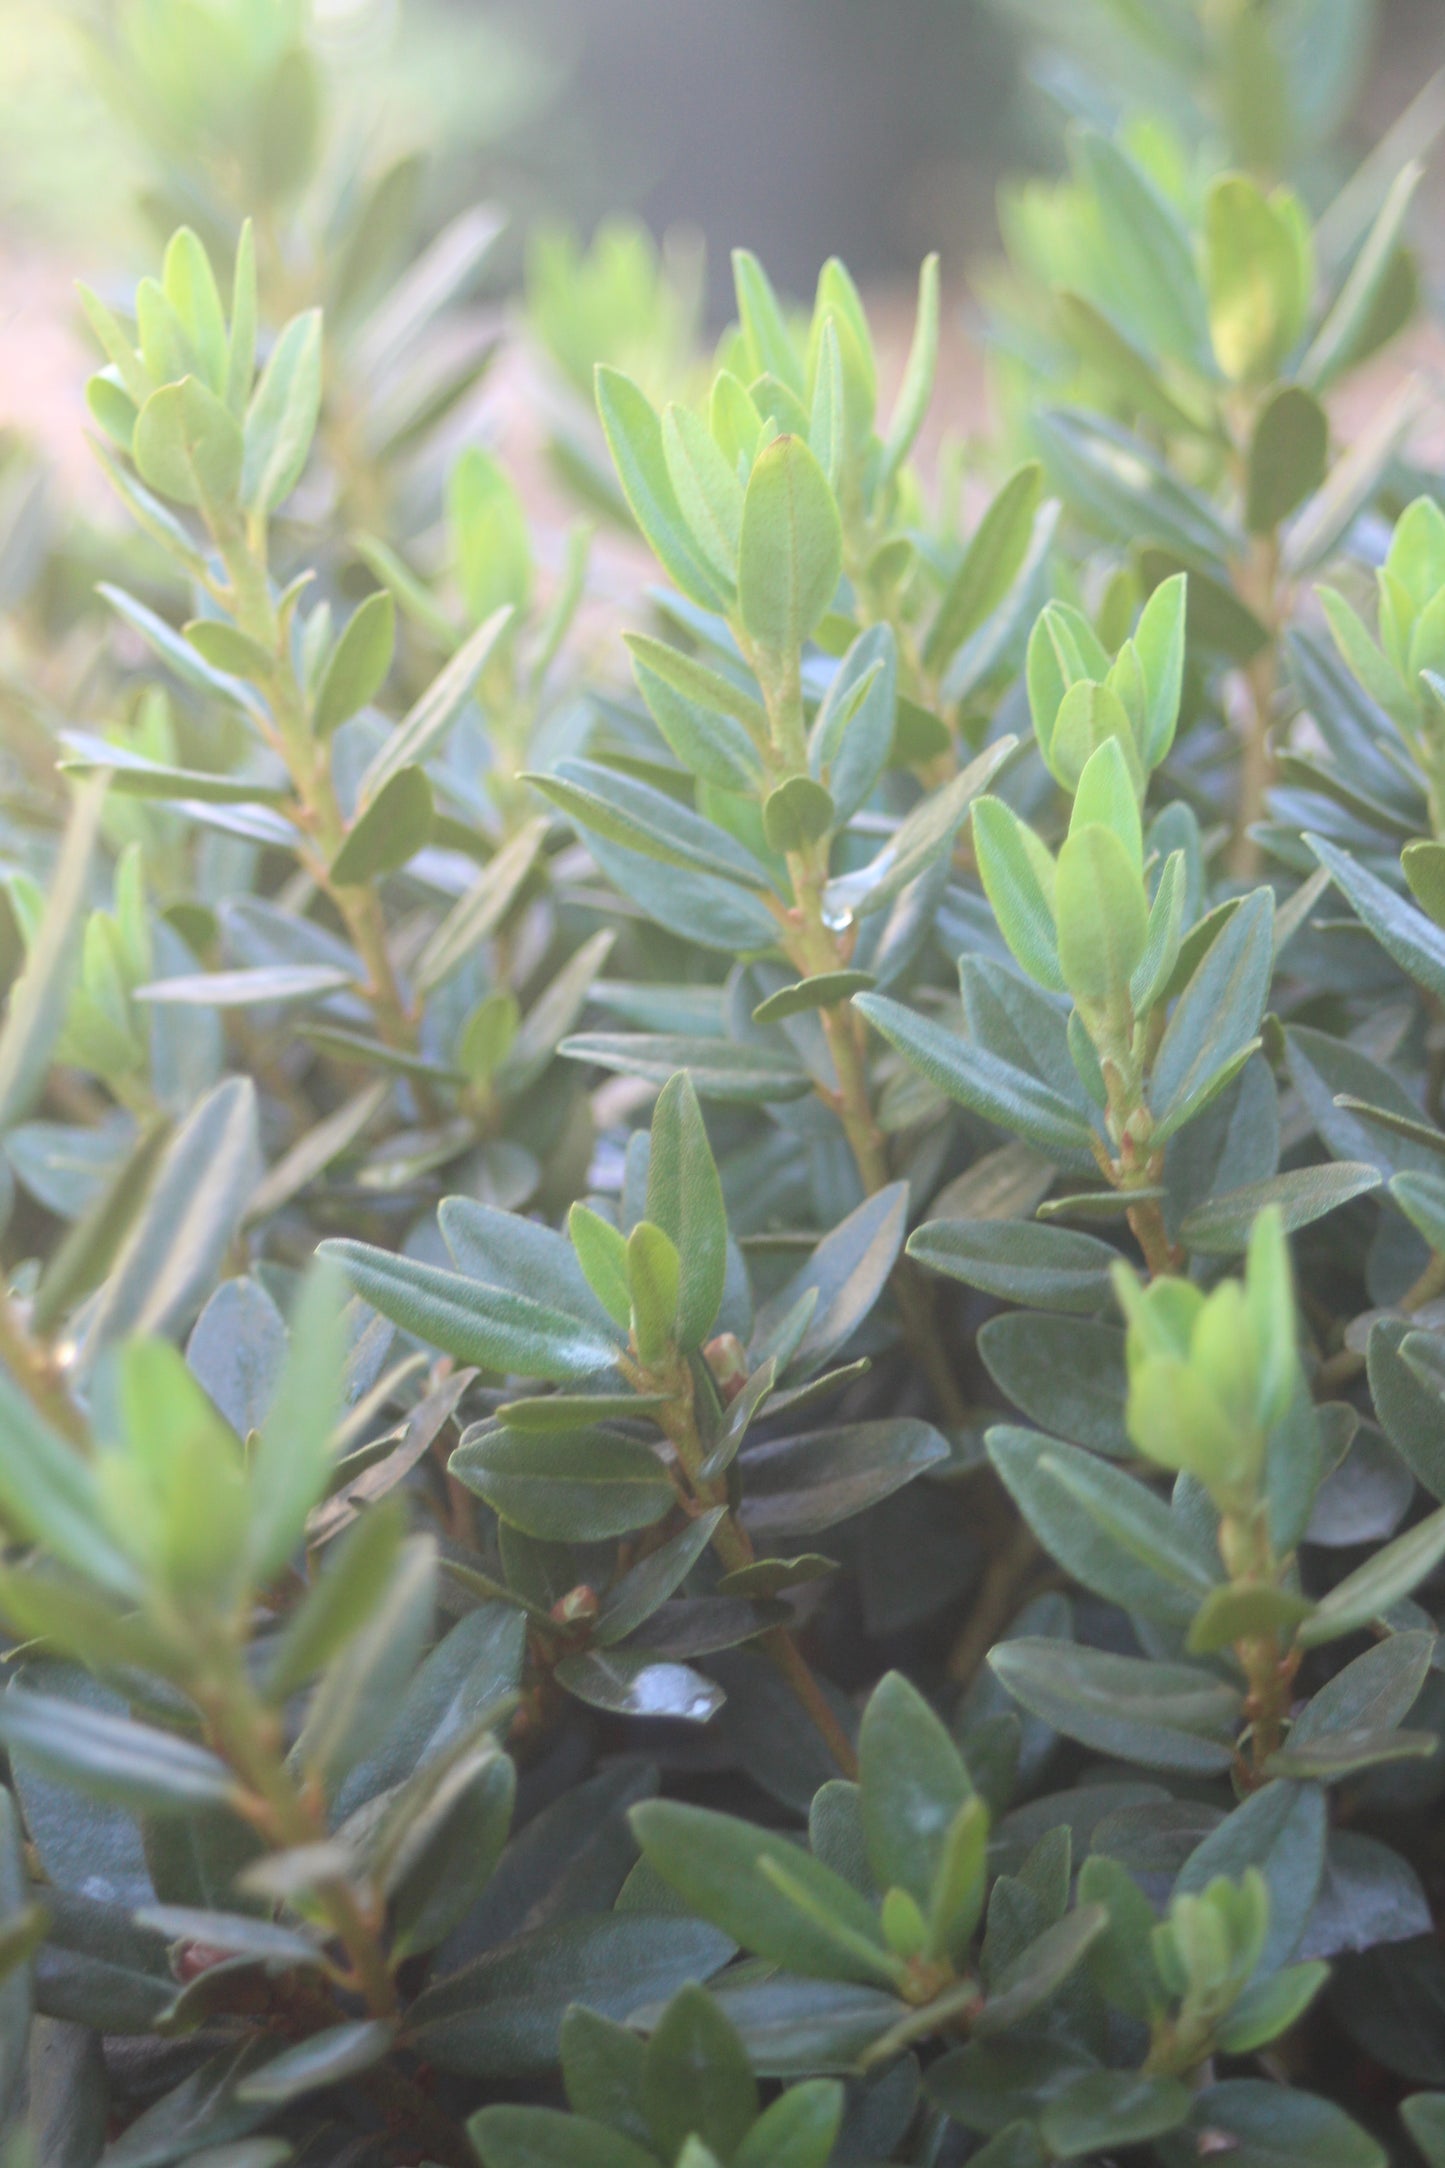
[875, 129]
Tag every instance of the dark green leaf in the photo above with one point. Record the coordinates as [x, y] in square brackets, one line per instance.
[1287, 457]
[1050, 1268]
[989, 566]
[501, 2015]
[392, 828]
[718, 1864]
[800, 1486]
[719, 1068]
[684, 1199]
[109, 1757]
[494, 1327]
[913, 1784]
[1221, 1228]
[565, 1486]
[1167, 1716]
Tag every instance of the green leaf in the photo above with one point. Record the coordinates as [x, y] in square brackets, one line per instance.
[281, 418]
[1065, 1373]
[799, 2130]
[1423, 2115]
[1126, 490]
[1268, 2008]
[1167, 1716]
[267, 985]
[1104, 1527]
[989, 566]
[424, 724]
[1272, 2126]
[1241, 1613]
[190, 1218]
[1018, 875]
[767, 340]
[492, 547]
[1353, 1103]
[1414, 941]
[717, 1864]
[654, 1273]
[1216, 1018]
[1334, 344]
[40, 995]
[1369, 1592]
[108, 1757]
[1288, 455]
[1103, 2109]
[354, 1699]
[353, 1580]
[1423, 865]
[709, 494]
[358, 664]
[798, 812]
[983, 1082]
[1157, 965]
[924, 837]
[848, 1270]
[134, 776]
[1256, 278]
[624, 811]
[565, 1486]
[1128, 370]
[685, 1199]
[1151, 261]
[1039, 1971]
[497, 1328]
[500, 2015]
[325, 2058]
[710, 725]
[696, 2079]
[919, 371]
[1281, 1830]
[637, 1594]
[744, 1075]
[291, 1460]
[241, 344]
[1221, 1228]
[1103, 925]
[791, 549]
[187, 445]
[800, 1486]
[1121, 1961]
[1050, 1268]
[1421, 1197]
[225, 647]
[48, 1496]
[821, 992]
[391, 828]
[482, 909]
[634, 438]
[914, 1784]
[503, 1249]
[512, 2137]
[602, 1254]
[116, 345]
[1159, 643]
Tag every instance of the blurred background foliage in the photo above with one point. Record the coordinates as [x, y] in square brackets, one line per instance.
[575, 109]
